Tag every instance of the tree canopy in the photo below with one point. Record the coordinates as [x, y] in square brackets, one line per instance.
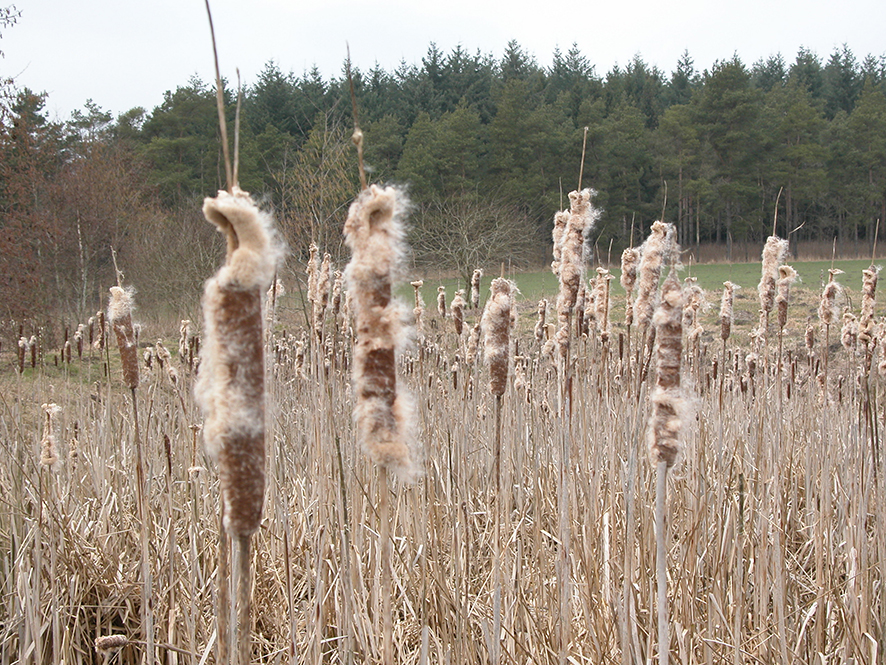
[476, 139]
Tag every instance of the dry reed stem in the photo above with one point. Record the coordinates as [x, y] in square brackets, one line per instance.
[786, 276]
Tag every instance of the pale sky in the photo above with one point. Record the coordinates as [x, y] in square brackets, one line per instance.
[123, 54]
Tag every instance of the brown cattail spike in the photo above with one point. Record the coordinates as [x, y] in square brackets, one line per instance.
[654, 253]
[540, 323]
[726, 309]
[382, 412]
[774, 253]
[441, 300]
[868, 296]
[110, 643]
[630, 260]
[582, 217]
[48, 444]
[667, 399]
[120, 318]
[827, 308]
[496, 325]
[230, 385]
[475, 288]
[457, 307]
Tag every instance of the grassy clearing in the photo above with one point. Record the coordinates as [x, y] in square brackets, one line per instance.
[777, 541]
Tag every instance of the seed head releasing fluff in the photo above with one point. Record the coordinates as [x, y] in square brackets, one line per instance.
[496, 326]
[726, 309]
[231, 382]
[654, 253]
[475, 287]
[458, 311]
[570, 268]
[667, 399]
[774, 253]
[630, 260]
[827, 308]
[120, 318]
[868, 294]
[382, 412]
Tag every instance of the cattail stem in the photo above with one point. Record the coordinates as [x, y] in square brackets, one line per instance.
[384, 513]
[661, 566]
[495, 656]
[144, 535]
[223, 584]
[244, 598]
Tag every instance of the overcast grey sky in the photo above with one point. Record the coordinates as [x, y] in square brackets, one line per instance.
[123, 54]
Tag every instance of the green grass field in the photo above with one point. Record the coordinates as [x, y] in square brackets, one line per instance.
[538, 284]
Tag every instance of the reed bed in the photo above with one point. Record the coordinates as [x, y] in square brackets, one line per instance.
[776, 543]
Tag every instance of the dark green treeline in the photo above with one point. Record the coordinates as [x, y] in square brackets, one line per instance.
[487, 146]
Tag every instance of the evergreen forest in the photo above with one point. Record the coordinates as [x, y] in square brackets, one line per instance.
[487, 146]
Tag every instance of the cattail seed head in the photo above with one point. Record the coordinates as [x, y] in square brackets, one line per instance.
[185, 332]
[849, 331]
[78, 339]
[473, 344]
[654, 253]
[458, 311]
[774, 253]
[726, 309]
[475, 288]
[496, 325]
[48, 448]
[441, 300]
[694, 301]
[630, 261]
[419, 309]
[868, 295]
[337, 286]
[108, 644]
[668, 404]
[786, 276]
[120, 318]
[582, 217]
[827, 308]
[540, 324]
[22, 353]
[312, 270]
[231, 380]
[561, 219]
[383, 412]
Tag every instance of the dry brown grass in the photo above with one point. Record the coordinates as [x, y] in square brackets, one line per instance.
[776, 549]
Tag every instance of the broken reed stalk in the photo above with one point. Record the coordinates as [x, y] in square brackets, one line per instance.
[496, 325]
[382, 411]
[220, 104]
[230, 385]
[665, 423]
[120, 319]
